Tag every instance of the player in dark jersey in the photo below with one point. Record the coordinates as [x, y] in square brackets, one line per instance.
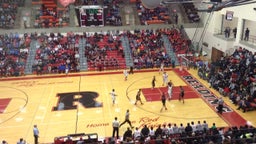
[138, 97]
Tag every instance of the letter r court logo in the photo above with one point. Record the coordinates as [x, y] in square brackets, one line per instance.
[70, 100]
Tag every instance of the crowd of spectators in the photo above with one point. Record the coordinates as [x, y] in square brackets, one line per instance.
[13, 54]
[8, 11]
[104, 51]
[171, 133]
[191, 12]
[148, 49]
[234, 76]
[57, 53]
[191, 133]
[50, 15]
[179, 44]
[113, 17]
[152, 16]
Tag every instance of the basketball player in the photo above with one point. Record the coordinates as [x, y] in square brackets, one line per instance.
[165, 78]
[138, 97]
[163, 98]
[125, 74]
[161, 69]
[181, 96]
[169, 91]
[113, 95]
[153, 82]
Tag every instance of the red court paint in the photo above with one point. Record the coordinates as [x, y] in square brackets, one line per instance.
[3, 104]
[155, 94]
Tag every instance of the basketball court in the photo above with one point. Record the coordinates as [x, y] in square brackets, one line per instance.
[81, 103]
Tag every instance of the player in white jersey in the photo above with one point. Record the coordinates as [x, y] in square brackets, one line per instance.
[169, 89]
[165, 78]
[125, 74]
[161, 69]
[113, 95]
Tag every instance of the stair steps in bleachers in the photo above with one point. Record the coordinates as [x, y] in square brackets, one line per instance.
[82, 58]
[31, 56]
[127, 51]
[169, 49]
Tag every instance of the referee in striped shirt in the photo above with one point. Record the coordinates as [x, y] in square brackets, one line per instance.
[115, 125]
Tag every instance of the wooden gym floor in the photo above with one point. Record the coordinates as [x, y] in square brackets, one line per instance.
[29, 100]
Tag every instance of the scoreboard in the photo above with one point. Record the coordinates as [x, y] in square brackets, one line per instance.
[91, 16]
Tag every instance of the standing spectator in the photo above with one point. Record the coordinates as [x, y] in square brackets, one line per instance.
[199, 127]
[36, 134]
[234, 32]
[127, 119]
[170, 129]
[144, 132]
[127, 135]
[175, 129]
[247, 32]
[226, 32]
[176, 18]
[205, 126]
[137, 134]
[188, 129]
[158, 132]
[220, 105]
[181, 129]
[152, 132]
[193, 126]
[115, 125]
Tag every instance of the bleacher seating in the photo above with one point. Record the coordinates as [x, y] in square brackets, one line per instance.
[8, 12]
[49, 14]
[113, 16]
[147, 49]
[191, 12]
[104, 52]
[232, 78]
[158, 15]
[56, 54]
[13, 54]
[179, 43]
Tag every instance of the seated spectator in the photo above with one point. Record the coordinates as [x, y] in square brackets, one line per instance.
[21, 141]
[234, 79]
[127, 137]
